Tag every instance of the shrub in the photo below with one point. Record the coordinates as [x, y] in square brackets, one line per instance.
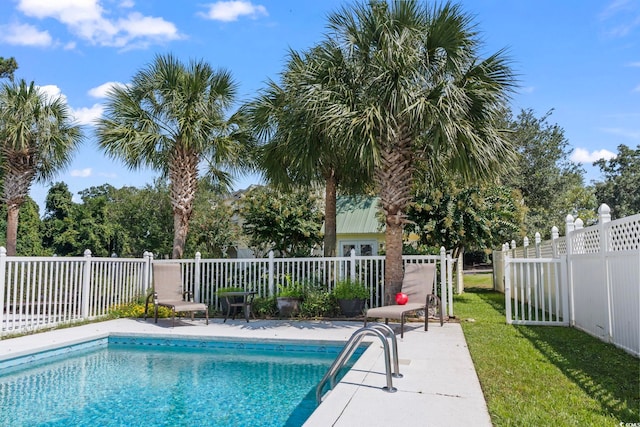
[290, 289]
[347, 289]
[264, 307]
[136, 310]
[318, 303]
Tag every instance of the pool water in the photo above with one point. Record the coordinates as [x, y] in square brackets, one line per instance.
[167, 382]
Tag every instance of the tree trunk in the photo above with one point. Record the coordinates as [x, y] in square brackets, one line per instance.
[183, 177]
[394, 178]
[394, 270]
[12, 228]
[330, 217]
[180, 229]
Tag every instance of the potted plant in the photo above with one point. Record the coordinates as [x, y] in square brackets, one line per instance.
[351, 297]
[290, 295]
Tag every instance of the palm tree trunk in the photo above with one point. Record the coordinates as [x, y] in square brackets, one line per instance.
[180, 230]
[394, 269]
[394, 179]
[330, 216]
[183, 176]
[12, 227]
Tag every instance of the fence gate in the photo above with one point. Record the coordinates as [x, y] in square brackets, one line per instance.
[536, 291]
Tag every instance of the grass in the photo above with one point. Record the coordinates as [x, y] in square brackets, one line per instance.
[545, 376]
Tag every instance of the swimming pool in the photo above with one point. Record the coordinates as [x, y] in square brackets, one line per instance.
[132, 380]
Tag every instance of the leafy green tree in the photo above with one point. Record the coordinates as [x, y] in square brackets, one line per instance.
[408, 84]
[552, 186]
[143, 220]
[299, 149]
[474, 217]
[29, 242]
[621, 186]
[126, 221]
[37, 139]
[59, 235]
[288, 223]
[172, 118]
[7, 67]
[96, 230]
[213, 230]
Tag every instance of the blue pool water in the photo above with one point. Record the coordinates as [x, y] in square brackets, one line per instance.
[126, 381]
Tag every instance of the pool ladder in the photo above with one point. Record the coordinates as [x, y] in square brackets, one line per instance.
[382, 331]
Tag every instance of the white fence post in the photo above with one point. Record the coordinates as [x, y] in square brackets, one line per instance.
[146, 271]
[568, 230]
[86, 284]
[604, 216]
[271, 273]
[555, 235]
[507, 288]
[352, 265]
[443, 280]
[196, 279]
[3, 269]
[460, 274]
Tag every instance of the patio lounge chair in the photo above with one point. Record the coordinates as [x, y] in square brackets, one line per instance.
[167, 292]
[418, 283]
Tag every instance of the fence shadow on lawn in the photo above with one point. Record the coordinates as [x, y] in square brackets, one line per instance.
[598, 368]
[604, 372]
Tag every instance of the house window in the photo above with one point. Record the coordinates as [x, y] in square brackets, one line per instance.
[362, 247]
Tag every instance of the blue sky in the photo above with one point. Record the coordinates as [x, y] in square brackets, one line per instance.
[578, 57]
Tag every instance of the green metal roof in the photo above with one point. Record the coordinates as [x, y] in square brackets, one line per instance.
[355, 215]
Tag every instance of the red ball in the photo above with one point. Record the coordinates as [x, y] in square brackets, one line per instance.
[401, 299]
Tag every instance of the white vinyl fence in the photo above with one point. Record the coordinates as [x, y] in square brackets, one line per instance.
[41, 292]
[590, 279]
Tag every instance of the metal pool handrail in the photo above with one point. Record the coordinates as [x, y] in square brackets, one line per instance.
[381, 331]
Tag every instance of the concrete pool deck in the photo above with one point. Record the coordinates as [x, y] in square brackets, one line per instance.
[439, 385]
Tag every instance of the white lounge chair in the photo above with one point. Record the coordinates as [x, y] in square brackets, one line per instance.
[168, 292]
[418, 283]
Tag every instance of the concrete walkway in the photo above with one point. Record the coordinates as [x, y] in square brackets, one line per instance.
[439, 385]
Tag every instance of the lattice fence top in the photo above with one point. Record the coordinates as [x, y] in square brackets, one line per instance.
[624, 234]
[585, 241]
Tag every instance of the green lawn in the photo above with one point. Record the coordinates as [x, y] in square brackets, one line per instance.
[545, 376]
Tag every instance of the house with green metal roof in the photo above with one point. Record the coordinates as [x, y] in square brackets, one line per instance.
[358, 225]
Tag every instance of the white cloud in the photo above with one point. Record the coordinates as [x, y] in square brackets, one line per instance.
[52, 92]
[101, 91]
[228, 11]
[88, 20]
[621, 17]
[634, 64]
[527, 89]
[24, 35]
[82, 173]
[580, 155]
[88, 116]
[137, 25]
[636, 89]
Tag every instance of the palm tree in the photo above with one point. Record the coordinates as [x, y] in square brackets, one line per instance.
[298, 149]
[409, 86]
[172, 118]
[37, 139]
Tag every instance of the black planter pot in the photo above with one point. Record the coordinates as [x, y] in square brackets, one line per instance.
[288, 306]
[351, 307]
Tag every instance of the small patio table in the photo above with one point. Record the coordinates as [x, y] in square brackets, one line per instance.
[247, 300]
